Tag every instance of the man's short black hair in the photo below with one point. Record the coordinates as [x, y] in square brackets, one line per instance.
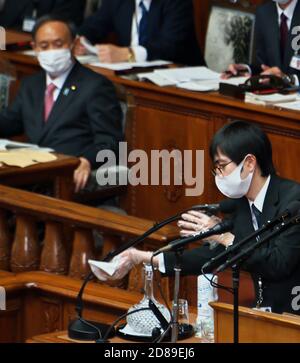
[238, 139]
[54, 18]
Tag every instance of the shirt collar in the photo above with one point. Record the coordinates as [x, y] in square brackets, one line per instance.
[260, 199]
[147, 3]
[59, 81]
[289, 11]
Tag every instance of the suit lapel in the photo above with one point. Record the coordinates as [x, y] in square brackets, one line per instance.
[270, 208]
[39, 104]
[274, 40]
[153, 15]
[128, 9]
[65, 98]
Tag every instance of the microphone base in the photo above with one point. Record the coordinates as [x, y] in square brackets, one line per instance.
[78, 330]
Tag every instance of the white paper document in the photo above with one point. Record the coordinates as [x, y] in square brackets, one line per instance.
[188, 74]
[107, 267]
[89, 46]
[200, 86]
[273, 99]
[87, 59]
[126, 65]
[293, 106]
[12, 145]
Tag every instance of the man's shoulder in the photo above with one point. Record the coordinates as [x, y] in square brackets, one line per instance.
[86, 74]
[288, 189]
[264, 9]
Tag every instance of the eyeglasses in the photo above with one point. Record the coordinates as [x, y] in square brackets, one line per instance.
[220, 168]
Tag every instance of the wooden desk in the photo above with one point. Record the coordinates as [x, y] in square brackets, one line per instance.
[62, 337]
[60, 171]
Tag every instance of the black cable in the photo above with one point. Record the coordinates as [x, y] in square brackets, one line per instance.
[155, 281]
[109, 330]
[92, 326]
[214, 284]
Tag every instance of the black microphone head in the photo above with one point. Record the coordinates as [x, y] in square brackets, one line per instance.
[225, 226]
[228, 206]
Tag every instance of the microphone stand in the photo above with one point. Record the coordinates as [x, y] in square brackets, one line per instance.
[235, 286]
[175, 310]
[237, 260]
[81, 330]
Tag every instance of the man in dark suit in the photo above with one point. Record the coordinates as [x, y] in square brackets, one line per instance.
[244, 170]
[66, 106]
[275, 21]
[145, 30]
[13, 12]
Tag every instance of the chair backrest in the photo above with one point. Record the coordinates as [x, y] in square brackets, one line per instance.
[229, 37]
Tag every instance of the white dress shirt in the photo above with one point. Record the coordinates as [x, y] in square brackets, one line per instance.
[288, 12]
[259, 202]
[140, 52]
[58, 82]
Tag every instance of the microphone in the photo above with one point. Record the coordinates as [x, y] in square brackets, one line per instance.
[244, 254]
[80, 329]
[219, 228]
[226, 206]
[291, 211]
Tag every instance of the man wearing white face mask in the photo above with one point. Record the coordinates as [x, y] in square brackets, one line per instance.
[244, 170]
[66, 106]
[274, 54]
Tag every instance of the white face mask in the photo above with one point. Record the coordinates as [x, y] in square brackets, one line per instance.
[281, 2]
[232, 185]
[55, 62]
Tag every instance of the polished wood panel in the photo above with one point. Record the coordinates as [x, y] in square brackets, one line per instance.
[255, 326]
[59, 171]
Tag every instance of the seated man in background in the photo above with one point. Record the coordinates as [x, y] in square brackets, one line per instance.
[145, 30]
[66, 106]
[13, 12]
[273, 31]
[244, 171]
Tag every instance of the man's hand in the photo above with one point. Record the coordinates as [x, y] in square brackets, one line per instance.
[81, 174]
[109, 53]
[235, 70]
[126, 261]
[195, 222]
[275, 71]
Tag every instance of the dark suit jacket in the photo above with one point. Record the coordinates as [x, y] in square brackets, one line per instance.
[171, 27]
[15, 11]
[85, 119]
[268, 39]
[277, 262]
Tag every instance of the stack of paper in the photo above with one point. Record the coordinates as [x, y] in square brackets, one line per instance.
[126, 65]
[294, 106]
[199, 79]
[272, 99]
[11, 145]
[24, 157]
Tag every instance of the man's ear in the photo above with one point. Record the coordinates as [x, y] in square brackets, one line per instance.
[33, 45]
[251, 162]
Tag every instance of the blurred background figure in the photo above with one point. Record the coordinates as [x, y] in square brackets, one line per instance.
[22, 14]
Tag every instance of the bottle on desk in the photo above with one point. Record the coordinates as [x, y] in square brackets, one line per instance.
[205, 316]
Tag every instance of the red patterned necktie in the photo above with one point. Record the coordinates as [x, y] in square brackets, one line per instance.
[284, 31]
[49, 100]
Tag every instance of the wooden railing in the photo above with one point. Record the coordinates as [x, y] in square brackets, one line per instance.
[68, 230]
